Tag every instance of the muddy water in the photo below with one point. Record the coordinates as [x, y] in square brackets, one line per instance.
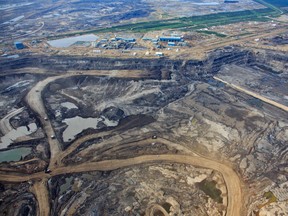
[77, 124]
[8, 138]
[64, 187]
[14, 154]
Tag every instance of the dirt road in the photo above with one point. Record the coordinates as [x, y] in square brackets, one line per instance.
[227, 42]
[253, 94]
[5, 125]
[231, 179]
[34, 100]
[78, 142]
[40, 189]
[31, 33]
[199, 51]
[154, 209]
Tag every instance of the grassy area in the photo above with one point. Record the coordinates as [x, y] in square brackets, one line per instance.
[209, 188]
[213, 33]
[270, 197]
[272, 4]
[190, 23]
[196, 22]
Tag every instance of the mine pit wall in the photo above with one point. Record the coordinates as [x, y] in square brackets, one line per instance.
[270, 61]
[160, 68]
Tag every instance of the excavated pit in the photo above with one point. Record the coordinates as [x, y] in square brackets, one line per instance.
[178, 101]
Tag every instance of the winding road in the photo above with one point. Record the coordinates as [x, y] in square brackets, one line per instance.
[253, 94]
[34, 100]
[40, 188]
[231, 179]
[5, 125]
[154, 209]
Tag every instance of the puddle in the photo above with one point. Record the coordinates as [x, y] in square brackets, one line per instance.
[69, 105]
[64, 187]
[77, 124]
[20, 84]
[14, 154]
[66, 42]
[8, 138]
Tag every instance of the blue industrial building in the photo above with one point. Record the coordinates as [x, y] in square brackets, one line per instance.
[19, 45]
[171, 44]
[171, 39]
[130, 40]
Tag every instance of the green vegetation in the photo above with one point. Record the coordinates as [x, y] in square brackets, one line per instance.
[214, 33]
[271, 198]
[273, 5]
[165, 15]
[191, 23]
[209, 188]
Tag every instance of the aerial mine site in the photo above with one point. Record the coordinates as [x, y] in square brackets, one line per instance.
[144, 108]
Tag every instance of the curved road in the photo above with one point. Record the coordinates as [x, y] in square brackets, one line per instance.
[231, 179]
[39, 188]
[154, 209]
[5, 125]
[25, 35]
[34, 100]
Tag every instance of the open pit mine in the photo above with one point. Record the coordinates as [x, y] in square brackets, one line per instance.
[155, 137]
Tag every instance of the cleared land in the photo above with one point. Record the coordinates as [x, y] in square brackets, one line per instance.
[232, 181]
[189, 23]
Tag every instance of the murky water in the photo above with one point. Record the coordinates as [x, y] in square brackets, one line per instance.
[66, 42]
[8, 138]
[77, 124]
[14, 154]
[64, 187]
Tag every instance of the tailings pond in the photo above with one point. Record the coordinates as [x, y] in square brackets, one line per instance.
[14, 154]
[77, 124]
[66, 42]
[8, 138]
